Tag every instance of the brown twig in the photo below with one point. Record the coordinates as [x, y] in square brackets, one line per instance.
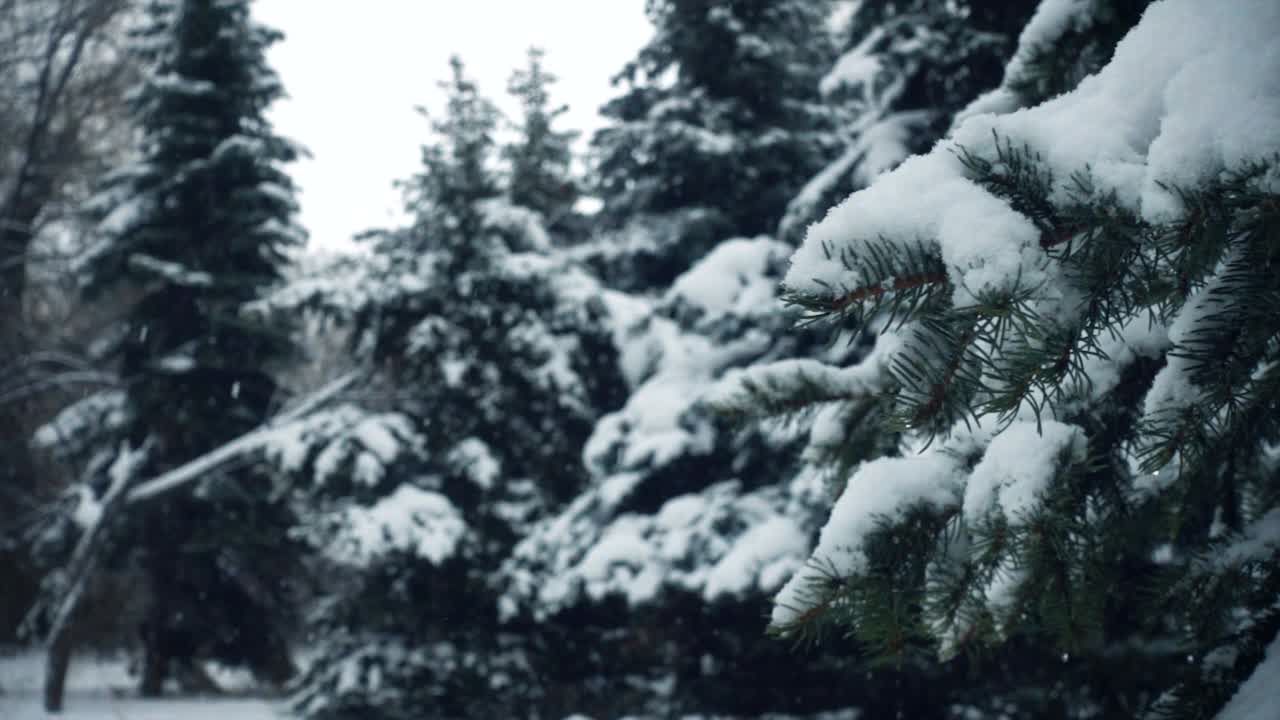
[907, 282]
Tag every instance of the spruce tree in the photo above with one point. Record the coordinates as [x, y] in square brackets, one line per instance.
[539, 160]
[1060, 45]
[904, 70]
[687, 518]
[653, 580]
[1075, 353]
[196, 228]
[488, 362]
[718, 122]
[481, 339]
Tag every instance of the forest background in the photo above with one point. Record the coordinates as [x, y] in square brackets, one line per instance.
[931, 337]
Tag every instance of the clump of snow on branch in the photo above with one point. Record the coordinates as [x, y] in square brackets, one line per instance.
[523, 228]
[1191, 93]
[854, 381]
[1017, 467]
[717, 542]
[76, 427]
[857, 69]
[1141, 122]
[477, 462]
[878, 489]
[409, 519]
[1052, 19]
[685, 356]
[1258, 541]
[1009, 482]
[984, 241]
[718, 538]
[344, 441]
[734, 277]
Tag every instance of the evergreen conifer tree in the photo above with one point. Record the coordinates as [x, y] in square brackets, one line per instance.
[654, 578]
[717, 125]
[197, 227]
[1074, 352]
[539, 160]
[489, 362]
[686, 518]
[905, 70]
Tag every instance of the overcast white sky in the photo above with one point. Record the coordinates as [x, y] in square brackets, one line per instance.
[355, 70]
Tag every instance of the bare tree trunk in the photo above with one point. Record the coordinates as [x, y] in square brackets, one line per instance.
[194, 679]
[155, 658]
[87, 554]
[84, 562]
[56, 665]
[277, 667]
[152, 673]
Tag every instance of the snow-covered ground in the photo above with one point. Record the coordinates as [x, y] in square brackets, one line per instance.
[97, 706]
[101, 689]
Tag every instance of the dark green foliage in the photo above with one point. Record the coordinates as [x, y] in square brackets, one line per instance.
[406, 639]
[1051, 69]
[718, 122]
[491, 373]
[199, 227]
[1140, 563]
[931, 59]
[540, 160]
[1094, 534]
[740, 70]
[471, 348]
[962, 52]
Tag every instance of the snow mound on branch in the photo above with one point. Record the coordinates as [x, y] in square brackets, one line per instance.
[76, 426]
[342, 439]
[857, 68]
[1259, 540]
[1052, 19]
[342, 286]
[1192, 91]
[880, 488]
[1009, 481]
[733, 278]
[1173, 389]
[759, 559]
[523, 227]
[982, 239]
[125, 216]
[858, 380]
[1142, 335]
[632, 534]
[719, 542]
[656, 426]
[410, 519]
[683, 358]
[1018, 466]
[477, 462]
